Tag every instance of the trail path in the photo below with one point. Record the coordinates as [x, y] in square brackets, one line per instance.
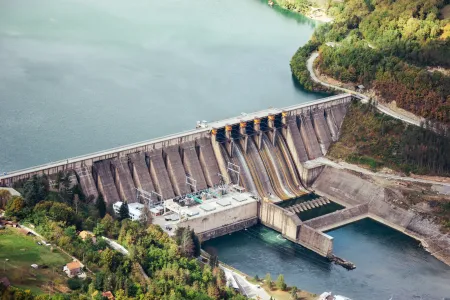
[344, 165]
[381, 107]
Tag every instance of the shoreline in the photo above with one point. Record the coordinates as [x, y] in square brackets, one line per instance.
[313, 13]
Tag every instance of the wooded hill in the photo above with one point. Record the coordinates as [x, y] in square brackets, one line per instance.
[391, 46]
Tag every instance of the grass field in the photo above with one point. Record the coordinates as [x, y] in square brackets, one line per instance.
[22, 251]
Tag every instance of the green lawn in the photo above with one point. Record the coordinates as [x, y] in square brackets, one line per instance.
[22, 251]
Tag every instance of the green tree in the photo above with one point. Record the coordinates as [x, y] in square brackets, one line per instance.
[5, 196]
[197, 244]
[124, 212]
[213, 261]
[268, 280]
[101, 206]
[280, 282]
[35, 190]
[294, 294]
[15, 207]
[186, 243]
[74, 284]
[99, 229]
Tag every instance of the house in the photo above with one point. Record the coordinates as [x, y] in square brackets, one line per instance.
[9, 223]
[5, 281]
[73, 268]
[108, 295]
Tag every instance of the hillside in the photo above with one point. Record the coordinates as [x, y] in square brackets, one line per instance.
[399, 49]
[376, 140]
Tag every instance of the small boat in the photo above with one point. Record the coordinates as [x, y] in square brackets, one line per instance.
[270, 3]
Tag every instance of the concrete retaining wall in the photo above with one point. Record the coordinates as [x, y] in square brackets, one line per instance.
[141, 175]
[208, 162]
[316, 241]
[87, 182]
[280, 219]
[339, 218]
[192, 165]
[391, 214]
[310, 172]
[159, 174]
[322, 131]
[105, 181]
[216, 232]
[346, 189]
[223, 218]
[176, 171]
[309, 137]
[123, 180]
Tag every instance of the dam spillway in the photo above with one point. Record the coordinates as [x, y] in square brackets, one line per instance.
[271, 150]
[274, 154]
[254, 161]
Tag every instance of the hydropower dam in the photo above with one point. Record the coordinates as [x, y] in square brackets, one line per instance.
[268, 156]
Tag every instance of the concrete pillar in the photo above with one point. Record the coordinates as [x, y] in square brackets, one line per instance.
[244, 137]
[219, 157]
[284, 122]
[257, 129]
[273, 131]
[229, 142]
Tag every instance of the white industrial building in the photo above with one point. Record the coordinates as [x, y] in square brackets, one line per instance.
[135, 210]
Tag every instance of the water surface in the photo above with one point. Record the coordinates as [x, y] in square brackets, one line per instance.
[388, 263]
[78, 76]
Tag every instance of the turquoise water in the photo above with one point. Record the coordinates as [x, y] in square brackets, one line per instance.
[78, 76]
[388, 263]
[314, 212]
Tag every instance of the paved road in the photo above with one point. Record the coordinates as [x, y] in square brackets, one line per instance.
[344, 165]
[116, 246]
[364, 98]
[249, 289]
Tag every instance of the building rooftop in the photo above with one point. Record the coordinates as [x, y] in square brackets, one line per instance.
[228, 201]
[73, 265]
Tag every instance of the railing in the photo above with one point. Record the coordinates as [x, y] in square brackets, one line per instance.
[132, 146]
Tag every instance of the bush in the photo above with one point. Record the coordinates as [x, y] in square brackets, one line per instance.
[74, 284]
[281, 285]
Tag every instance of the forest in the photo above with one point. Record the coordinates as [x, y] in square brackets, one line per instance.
[173, 271]
[377, 140]
[393, 47]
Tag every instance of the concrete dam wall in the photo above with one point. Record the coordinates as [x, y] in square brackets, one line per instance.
[292, 228]
[274, 146]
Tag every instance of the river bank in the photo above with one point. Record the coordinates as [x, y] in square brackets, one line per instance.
[388, 262]
[314, 13]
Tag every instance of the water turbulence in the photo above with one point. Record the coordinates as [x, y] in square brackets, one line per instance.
[275, 169]
[257, 170]
[245, 178]
[284, 155]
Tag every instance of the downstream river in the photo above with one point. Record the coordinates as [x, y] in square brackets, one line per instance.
[79, 76]
[388, 263]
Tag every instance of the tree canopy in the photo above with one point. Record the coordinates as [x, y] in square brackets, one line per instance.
[390, 46]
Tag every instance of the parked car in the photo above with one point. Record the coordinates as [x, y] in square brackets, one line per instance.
[39, 243]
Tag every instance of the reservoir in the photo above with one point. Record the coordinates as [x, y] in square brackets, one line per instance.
[388, 263]
[79, 76]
